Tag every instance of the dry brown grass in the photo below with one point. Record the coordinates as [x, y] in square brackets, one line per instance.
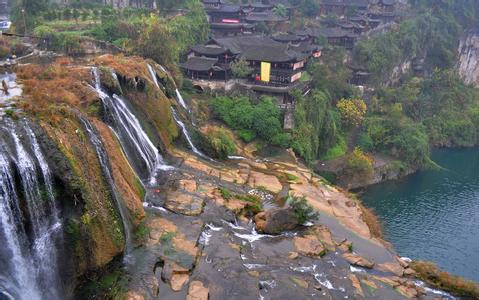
[431, 274]
[49, 89]
[375, 226]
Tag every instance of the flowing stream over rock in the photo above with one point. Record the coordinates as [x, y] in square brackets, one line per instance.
[29, 218]
[105, 165]
[175, 114]
[139, 148]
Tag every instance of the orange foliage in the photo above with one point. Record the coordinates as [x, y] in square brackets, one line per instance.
[49, 89]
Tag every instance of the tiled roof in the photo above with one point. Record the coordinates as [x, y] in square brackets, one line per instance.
[199, 63]
[356, 3]
[205, 50]
[260, 48]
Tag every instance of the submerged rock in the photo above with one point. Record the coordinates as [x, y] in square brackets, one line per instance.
[276, 220]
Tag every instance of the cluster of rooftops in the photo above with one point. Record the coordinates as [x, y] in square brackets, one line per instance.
[282, 55]
[285, 54]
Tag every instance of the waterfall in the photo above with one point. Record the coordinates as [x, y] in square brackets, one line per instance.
[134, 140]
[181, 100]
[186, 134]
[113, 74]
[29, 218]
[105, 165]
[175, 115]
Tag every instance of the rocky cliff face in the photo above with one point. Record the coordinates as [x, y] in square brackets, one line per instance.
[468, 63]
[60, 100]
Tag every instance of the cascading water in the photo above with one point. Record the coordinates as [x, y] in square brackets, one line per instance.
[105, 165]
[29, 218]
[134, 140]
[181, 100]
[175, 115]
[186, 133]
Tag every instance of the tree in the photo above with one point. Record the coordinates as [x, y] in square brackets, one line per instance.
[280, 10]
[241, 68]
[156, 42]
[352, 111]
[67, 14]
[85, 14]
[76, 15]
[25, 12]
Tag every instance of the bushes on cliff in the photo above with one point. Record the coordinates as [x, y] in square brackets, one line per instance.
[431, 274]
[260, 120]
[217, 142]
[358, 163]
[317, 125]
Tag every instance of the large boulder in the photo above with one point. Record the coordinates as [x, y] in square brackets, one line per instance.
[276, 220]
[309, 245]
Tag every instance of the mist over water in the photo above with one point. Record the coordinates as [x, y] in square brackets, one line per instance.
[434, 215]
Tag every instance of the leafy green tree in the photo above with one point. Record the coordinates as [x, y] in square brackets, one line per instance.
[156, 42]
[67, 14]
[25, 13]
[76, 14]
[280, 10]
[85, 14]
[241, 68]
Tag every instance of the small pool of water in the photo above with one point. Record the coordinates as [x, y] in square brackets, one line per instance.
[434, 215]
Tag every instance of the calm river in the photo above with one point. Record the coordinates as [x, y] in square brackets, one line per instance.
[434, 215]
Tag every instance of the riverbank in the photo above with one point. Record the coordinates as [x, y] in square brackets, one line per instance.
[431, 215]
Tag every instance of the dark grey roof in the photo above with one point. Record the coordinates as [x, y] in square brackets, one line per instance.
[305, 47]
[388, 2]
[199, 63]
[333, 33]
[286, 37]
[231, 25]
[208, 50]
[355, 3]
[212, 1]
[225, 8]
[260, 48]
[267, 16]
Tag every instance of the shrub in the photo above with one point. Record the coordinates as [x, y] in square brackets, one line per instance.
[261, 120]
[218, 143]
[225, 193]
[359, 162]
[302, 210]
[241, 68]
[352, 111]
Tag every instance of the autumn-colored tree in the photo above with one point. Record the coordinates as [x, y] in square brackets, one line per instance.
[359, 162]
[352, 111]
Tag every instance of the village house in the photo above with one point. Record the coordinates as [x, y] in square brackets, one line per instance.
[342, 7]
[228, 19]
[276, 66]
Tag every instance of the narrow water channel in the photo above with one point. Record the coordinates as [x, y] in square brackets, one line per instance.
[434, 215]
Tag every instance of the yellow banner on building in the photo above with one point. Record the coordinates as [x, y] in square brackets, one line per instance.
[265, 71]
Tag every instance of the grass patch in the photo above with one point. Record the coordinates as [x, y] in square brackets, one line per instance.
[431, 274]
[337, 151]
[291, 177]
[142, 231]
[225, 193]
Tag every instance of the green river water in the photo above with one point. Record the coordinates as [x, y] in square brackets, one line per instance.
[434, 215]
